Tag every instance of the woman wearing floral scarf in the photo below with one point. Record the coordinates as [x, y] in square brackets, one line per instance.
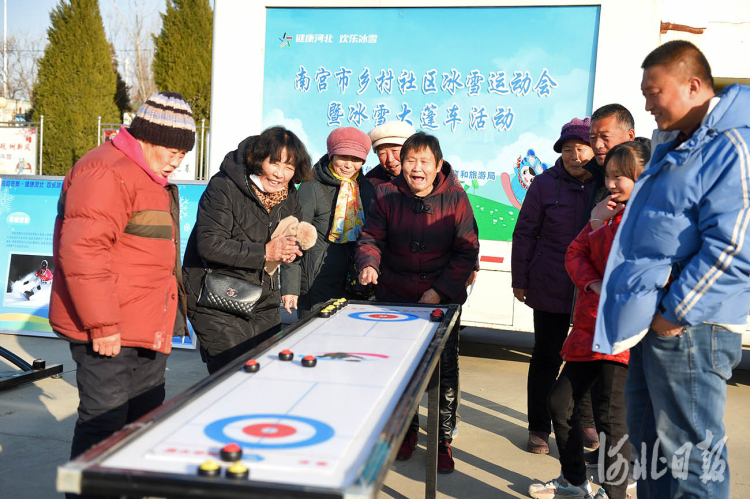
[335, 202]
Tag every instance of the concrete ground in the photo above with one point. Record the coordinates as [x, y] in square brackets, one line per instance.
[36, 424]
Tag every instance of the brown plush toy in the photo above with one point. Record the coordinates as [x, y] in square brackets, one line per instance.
[304, 232]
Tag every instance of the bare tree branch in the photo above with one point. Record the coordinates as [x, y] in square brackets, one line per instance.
[23, 53]
[130, 33]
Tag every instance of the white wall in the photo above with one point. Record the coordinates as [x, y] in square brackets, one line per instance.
[726, 39]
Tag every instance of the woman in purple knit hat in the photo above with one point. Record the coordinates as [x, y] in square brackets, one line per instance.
[553, 213]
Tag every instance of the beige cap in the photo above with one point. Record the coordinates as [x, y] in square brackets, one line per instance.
[392, 132]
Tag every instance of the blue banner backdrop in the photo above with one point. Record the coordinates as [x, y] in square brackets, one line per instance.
[494, 84]
[28, 207]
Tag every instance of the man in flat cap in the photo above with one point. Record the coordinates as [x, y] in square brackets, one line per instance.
[387, 140]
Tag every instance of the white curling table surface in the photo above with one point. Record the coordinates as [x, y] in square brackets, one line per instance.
[297, 425]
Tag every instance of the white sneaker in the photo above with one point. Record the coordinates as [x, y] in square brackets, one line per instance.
[454, 433]
[559, 488]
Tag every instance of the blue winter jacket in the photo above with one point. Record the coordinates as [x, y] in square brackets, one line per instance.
[681, 249]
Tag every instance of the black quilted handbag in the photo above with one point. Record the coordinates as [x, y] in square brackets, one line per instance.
[229, 294]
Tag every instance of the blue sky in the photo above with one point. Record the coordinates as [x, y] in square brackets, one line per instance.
[32, 16]
[561, 40]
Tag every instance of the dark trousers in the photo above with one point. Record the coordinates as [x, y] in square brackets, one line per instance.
[550, 331]
[449, 397]
[114, 391]
[574, 383]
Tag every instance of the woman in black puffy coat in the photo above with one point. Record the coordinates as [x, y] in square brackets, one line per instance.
[242, 205]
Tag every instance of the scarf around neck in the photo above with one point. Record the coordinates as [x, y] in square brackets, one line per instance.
[348, 216]
[269, 199]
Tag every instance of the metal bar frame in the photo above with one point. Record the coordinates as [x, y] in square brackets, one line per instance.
[27, 373]
[433, 420]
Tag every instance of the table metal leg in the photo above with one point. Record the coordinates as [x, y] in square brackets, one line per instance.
[433, 418]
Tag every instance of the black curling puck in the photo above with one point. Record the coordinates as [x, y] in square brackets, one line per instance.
[437, 315]
[324, 313]
[286, 355]
[309, 361]
[231, 452]
[237, 470]
[251, 366]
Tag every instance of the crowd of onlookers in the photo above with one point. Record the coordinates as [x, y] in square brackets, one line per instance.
[638, 243]
[645, 238]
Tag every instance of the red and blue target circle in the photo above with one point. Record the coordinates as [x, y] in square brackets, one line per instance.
[273, 435]
[268, 430]
[386, 316]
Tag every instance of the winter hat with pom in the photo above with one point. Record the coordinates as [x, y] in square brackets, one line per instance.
[165, 119]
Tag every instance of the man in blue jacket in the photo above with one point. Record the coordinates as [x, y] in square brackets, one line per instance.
[676, 288]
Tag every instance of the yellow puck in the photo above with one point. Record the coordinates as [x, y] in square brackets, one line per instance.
[209, 468]
[237, 470]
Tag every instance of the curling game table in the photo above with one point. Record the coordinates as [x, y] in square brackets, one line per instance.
[318, 410]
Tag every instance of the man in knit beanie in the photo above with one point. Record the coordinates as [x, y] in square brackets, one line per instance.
[117, 296]
[166, 120]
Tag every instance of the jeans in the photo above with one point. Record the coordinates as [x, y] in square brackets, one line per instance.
[574, 383]
[550, 331]
[676, 394]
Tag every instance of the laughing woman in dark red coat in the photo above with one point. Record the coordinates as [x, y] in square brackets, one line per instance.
[420, 244]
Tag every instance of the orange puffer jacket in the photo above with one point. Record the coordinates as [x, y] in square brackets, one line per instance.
[116, 252]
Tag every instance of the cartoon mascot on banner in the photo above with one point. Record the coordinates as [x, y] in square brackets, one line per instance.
[524, 172]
